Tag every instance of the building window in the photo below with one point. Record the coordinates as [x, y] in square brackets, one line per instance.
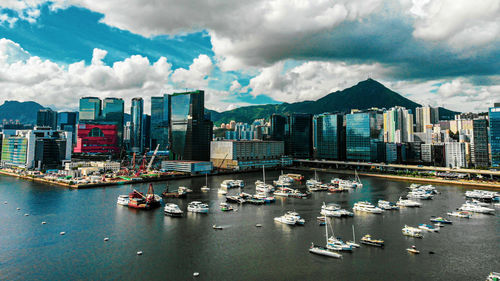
[96, 132]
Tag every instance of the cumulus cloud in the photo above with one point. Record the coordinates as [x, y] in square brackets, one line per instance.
[197, 74]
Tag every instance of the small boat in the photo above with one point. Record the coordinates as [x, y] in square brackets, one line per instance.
[408, 203]
[197, 207]
[139, 253]
[122, 200]
[225, 207]
[476, 208]
[258, 225]
[296, 177]
[288, 218]
[413, 250]
[428, 227]
[180, 193]
[441, 220]
[386, 205]
[222, 191]
[235, 199]
[420, 194]
[412, 232]
[494, 276]
[216, 227]
[353, 242]
[461, 214]
[62, 233]
[172, 210]
[368, 240]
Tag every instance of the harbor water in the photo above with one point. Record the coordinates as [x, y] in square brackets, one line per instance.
[175, 248]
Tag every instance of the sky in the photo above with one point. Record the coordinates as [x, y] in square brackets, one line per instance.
[435, 52]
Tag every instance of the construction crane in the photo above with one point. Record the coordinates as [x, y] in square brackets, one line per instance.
[152, 158]
[132, 164]
[222, 163]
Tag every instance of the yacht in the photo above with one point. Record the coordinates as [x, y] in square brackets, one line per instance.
[318, 250]
[461, 214]
[226, 184]
[441, 220]
[420, 194]
[475, 201]
[368, 207]
[412, 232]
[428, 227]
[337, 244]
[334, 210]
[476, 208]
[235, 199]
[122, 200]
[353, 242]
[386, 205]
[222, 191]
[368, 240]
[225, 207]
[172, 210]
[408, 203]
[286, 220]
[197, 207]
[313, 182]
[429, 188]
[481, 194]
[296, 216]
[260, 186]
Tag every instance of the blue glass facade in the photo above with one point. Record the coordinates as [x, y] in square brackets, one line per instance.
[494, 116]
[113, 112]
[66, 121]
[159, 122]
[328, 136]
[47, 118]
[299, 136]
[90, 109]
[363, 131]
[136, 112]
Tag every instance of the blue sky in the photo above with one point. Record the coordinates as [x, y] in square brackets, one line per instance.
[442, 53]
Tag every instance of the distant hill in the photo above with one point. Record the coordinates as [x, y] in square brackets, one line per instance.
[365, 94]
[25, 112]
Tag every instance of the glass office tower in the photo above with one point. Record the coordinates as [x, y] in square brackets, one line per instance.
[136, 112]
[279, 127]
[190, 131]
[159, 122]
[113, 113]
[46, 118]
[66, 121]
[299, 136]
[363, 131]
[494, 116]
[329, 136]
[90, 109]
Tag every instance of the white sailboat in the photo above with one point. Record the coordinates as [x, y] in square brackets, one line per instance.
[205, 187]
[353, 242]
[357, 179]
[318, 250]
[262, 186]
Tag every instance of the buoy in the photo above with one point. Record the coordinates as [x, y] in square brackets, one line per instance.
[258, 225]
[139, 253]
[43, 222]
[106, 239]
[26, 215]
[62, 233]
[196, 274]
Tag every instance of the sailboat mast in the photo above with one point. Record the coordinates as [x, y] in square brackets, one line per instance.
[353, 237]
[326, 230]
[264, 173]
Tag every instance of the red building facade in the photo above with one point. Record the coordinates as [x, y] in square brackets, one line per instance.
[97, 138]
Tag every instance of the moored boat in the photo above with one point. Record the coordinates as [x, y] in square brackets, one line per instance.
[122, 200]
[412, 232]
[441, 220]
[318, 250]
[138, 200]
[172, 210]
[197, 207]
[413, 250]
[225, 207]
[428, 227]
[408, 203]
[386, 205]
[461, 214]
[368, 240]
[365, 206]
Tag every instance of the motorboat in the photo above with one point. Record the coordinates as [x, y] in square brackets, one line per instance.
[239, 183]
[494, 276]
[412, 231]
[368, 240]
[480, 203]
[280, 183]
[227, 184]
[286, 220]
[197, 207]
[181, 192]
[483, 195]
[283, 192]
[122, 200]
[235, 199]
[332, 188]
[318, 187]
[265, 197]
[428, 227]
[408, 203]
[295, 177]
[420, 194]
[413, 250]
[441, 220]
[386, 205]
[335, 243]
[476, 208]
[297, 194]
[334, 210]
[296, 216]
[461, 214]
[263, 187]
[222, 191]
[172, 210]
[225, 207]
[216, 227]
[365, 206]
[428, 188]
[318, 250]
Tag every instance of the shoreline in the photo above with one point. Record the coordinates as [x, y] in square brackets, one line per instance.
[466, 184]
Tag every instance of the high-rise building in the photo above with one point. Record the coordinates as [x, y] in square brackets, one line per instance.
[426, 116]
[190, 131]
[113, 113]
[97, 139]
[136, 112]
[90, 109]
[398, 125]
[66, 121]
[279, 127]
[494, 117]
[479, 143]
[46, 118]
[159, 122]
[329, 136]
[455, 155]
[298, 140]
[363, 130]
[146, 132]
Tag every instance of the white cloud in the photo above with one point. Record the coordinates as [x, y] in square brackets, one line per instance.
[235, 86]
[197, 74]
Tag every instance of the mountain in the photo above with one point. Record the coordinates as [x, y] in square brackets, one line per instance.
[365, 94]
[25, 112]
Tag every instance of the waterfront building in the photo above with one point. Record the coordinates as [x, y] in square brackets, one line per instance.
[479, 143]
[46, 118]
[329, 136]
[97, 139]
[66, 121]
[136, 115]
[426, 116]
[363, 130]
[186, 166]
[414, 152]
[298, 140]
[113, 113]
[494, 118]
[146, 132]
[104, 166]
[241, 155]
[190, 129]
[40, 148]
[159, 122]
[279, 127]
[90, 109]
[398, 125]
[455, 155]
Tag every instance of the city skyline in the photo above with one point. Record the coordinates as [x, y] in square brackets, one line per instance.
[430, 52]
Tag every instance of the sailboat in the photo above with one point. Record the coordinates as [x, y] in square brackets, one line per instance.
[262, 186]
[205, 187]
[318, 250]
[357, 180]
[353, 242]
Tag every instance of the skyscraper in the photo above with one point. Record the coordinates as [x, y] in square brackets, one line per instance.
[159, 122]
[426, 116]
[364, 130]
[46, 118]
[190, 132]
[398, 125]
[494, 116]
[90, 109]
[136, 112]
[479, 143]
[66, 121]
[279, 126]
[113, 113]
[298, 141]
[329, 136]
